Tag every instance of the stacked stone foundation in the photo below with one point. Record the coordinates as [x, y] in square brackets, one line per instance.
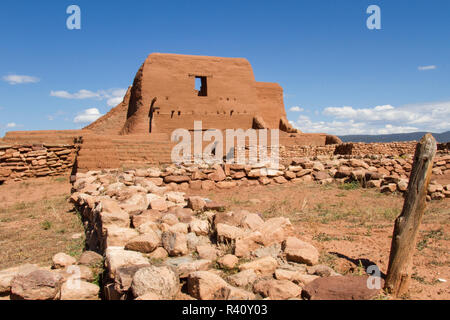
[23, 161]
[147, 228]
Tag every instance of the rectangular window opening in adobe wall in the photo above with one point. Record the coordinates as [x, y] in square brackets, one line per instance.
[201, 86]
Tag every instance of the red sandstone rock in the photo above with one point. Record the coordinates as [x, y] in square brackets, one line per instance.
[248, 243]
[208, 185]
[199, 227]
[90, 258]
[340, 288]
[280, 180]
[146, 216]
[207, 252]
[62, 260]
[214, 205]
[157, 280]
[275, 230]
[175, 243]
[195, 185]
[228, 261]
[176, 179]
[244, 278]
[264, 266]
[82, 291]
[196, 203]
[226, 232]
[144, 243]
[373, 184]
[205, 285]
[391, 187]
[218, 175]
[37, 285]
[158, 204]
[300, 251]
[277, 289]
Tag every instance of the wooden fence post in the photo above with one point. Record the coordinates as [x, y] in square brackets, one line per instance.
[407, 223]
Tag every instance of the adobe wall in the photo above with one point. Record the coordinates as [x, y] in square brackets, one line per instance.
[170, 78]
[271, 103]
[169, 122]
[40, 137]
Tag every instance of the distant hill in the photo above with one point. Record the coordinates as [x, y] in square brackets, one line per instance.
[413, 136]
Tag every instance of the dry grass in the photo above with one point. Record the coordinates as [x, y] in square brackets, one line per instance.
[350, 225]
[33, 231]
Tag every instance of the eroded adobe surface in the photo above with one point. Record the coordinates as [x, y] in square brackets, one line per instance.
[164, 97]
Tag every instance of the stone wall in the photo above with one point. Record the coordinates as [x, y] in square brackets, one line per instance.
[156, 239]
[355, 149]
[388, 174]
[392, 148]
[23, 161]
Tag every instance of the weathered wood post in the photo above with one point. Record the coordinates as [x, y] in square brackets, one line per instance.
[407, 223]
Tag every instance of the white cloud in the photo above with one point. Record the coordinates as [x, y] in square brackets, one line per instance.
[82, 94]
[116, 97]
[389, 128]
[19, 79]
[87, 116]
[384, 119]
[296, 109]
[112, 102]
[378, 113]
[112, 96]
[11, 125]
[425, 68]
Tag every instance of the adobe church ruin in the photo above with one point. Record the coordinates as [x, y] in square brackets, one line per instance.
[164, 89]
[164, 97]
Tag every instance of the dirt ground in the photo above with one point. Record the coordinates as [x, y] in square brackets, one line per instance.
[352, 227]
[36, 222]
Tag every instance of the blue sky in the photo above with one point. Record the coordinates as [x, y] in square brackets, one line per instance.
[338, 76]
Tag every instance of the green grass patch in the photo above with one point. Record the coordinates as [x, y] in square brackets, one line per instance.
[353, 185]
[46, 225]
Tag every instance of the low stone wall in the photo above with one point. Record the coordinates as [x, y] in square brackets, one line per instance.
[354, 149]
[23, 161]
[160, 244]
[66, 279]
[391, 149]
[156, 240]
[372, 172]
